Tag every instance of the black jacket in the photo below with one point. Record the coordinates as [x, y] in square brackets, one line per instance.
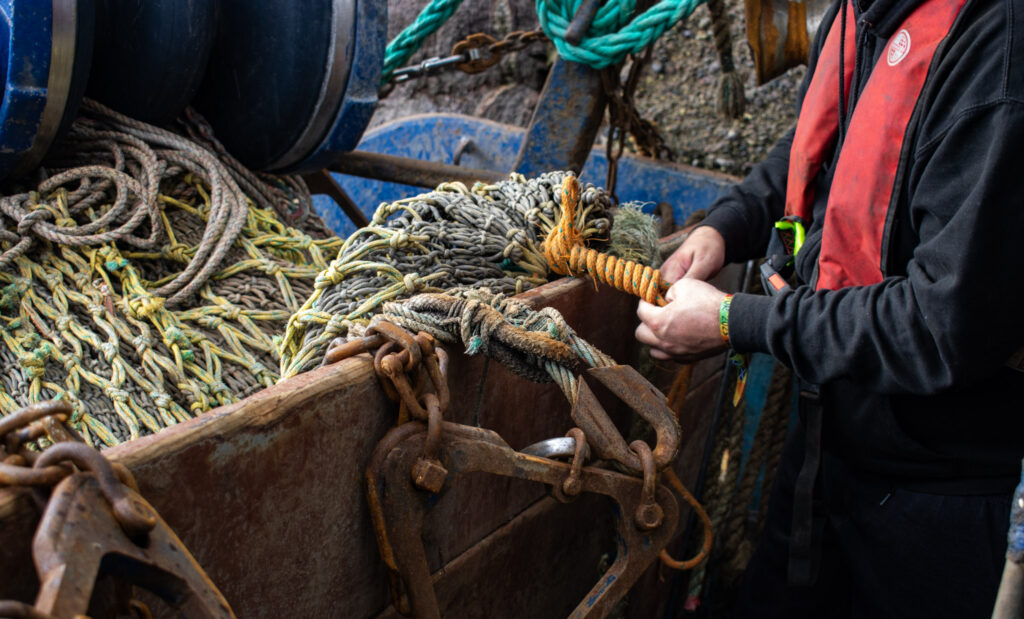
[912, 369]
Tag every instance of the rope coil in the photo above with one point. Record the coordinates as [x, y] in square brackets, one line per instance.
[133, 213]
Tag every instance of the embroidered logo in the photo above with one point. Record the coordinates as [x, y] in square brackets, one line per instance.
[899, 48]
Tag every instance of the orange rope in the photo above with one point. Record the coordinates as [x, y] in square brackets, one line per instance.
[566, 254]
[564, 251]
[680, 389]
[705, 547]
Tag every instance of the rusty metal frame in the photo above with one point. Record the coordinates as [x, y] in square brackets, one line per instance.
[399, 508]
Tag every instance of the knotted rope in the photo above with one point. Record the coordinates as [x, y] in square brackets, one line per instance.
[565, 253]
[535, 344]
[732, 100]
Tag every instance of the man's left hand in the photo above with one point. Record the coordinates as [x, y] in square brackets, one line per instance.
[687, 327]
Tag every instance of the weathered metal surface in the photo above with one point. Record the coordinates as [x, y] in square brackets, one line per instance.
[565, 122]
[82, 533]
[478, 144]
[391, 169]
[780, 32]
[465, 449]
[633, 390]
[531, 578]
[96, 537]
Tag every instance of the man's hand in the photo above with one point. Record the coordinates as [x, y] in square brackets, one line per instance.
[686, 328]
[700, 256]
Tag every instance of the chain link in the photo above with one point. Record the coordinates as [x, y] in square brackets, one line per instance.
[474, 54]
[625, 120]
[62, 476]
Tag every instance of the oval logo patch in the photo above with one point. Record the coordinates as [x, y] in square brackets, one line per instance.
[898, 48]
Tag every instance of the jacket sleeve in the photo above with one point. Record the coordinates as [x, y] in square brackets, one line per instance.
[957, 314]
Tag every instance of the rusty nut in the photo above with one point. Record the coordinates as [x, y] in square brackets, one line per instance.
[429, 475]
[648, 516]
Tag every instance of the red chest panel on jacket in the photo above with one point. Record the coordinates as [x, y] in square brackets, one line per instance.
[862, 187]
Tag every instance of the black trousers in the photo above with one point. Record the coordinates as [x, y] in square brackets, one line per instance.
[885, 551]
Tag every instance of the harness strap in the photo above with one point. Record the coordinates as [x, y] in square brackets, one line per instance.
[808, 515]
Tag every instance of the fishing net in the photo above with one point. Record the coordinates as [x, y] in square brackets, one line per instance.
[147, 276]
[484, 236]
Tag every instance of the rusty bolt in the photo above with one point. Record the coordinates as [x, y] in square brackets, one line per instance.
[429, 475]
[648, 516]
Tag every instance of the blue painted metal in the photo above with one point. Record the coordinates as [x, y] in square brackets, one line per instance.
[360, 97]
[26, 29]
[291, 84]
[45, 49]
[566, 121]
[479, 143]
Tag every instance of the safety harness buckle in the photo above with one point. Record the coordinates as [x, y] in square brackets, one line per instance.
[790, 233]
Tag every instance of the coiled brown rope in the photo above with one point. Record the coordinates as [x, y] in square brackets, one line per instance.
[563, 248]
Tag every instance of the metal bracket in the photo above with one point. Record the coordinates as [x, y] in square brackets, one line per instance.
[398, 509]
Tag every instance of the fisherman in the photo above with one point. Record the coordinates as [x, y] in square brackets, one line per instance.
[900, 209]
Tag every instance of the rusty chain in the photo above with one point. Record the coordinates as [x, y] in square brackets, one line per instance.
[474, 54]
[90, 508]
[413, 371]
[625, 120]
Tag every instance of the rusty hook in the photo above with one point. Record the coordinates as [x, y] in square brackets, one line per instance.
[643, 398]
[133, 515]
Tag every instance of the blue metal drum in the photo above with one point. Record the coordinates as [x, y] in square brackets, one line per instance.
[289, 84]
[150, 55]
[45, 49]
[286, 85]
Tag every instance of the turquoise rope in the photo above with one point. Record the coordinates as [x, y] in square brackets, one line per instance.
[612, 36]
[402, 47]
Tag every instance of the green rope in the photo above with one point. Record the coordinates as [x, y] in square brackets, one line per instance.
[612, 36]
[403, 46]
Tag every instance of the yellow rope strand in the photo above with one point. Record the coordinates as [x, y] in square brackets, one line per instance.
[566, 255]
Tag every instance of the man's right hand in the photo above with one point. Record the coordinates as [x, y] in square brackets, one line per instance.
[701, 256]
